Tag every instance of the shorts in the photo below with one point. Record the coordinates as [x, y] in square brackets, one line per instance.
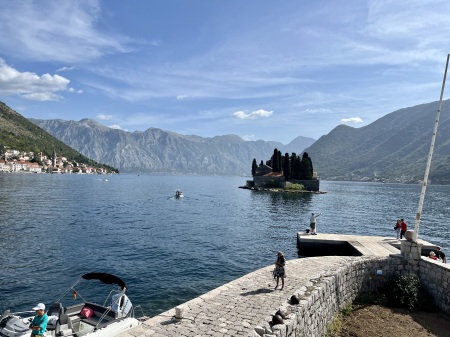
[312, 225]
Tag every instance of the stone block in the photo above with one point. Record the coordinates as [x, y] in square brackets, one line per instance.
[260, 330]
[279, 330]
[252, 334]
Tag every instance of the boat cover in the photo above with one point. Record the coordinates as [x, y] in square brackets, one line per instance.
[105, 278]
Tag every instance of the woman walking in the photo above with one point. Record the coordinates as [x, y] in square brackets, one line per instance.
[279, 270]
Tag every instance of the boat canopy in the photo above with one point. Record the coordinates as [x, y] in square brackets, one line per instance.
[105, 278]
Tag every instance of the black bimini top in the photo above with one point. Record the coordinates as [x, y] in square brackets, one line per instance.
[105, 278]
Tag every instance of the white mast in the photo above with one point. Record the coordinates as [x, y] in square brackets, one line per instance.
[430, 155]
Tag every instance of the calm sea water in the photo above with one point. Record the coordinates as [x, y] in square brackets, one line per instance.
[54, 228]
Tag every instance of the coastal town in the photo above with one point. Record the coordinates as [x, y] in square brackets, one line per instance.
[28, 162]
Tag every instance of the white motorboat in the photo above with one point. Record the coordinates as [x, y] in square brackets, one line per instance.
[103, 321]
[179, 194]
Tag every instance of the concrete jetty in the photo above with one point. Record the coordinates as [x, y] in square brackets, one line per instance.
[351, 245]
[324, 285]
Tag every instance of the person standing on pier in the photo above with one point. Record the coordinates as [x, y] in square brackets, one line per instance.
[313, 222]
[398, 228]
[404, 228]
[440, 254]
[279, 271]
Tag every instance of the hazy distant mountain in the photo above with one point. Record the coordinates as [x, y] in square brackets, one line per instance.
[159, 151]
[393, 148]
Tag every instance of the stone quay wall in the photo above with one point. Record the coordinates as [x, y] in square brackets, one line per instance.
[323, 298]
[323, 286]
[435, 278]
[434, 275]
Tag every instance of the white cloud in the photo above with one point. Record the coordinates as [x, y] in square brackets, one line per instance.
[105, 117]
[67, 69]
[30, 85]
[253, 115]
[352, 120]
[43, 96]
[248, 137]
[118, 127]
[80, 91]
[48, 30]
[181, 97]
[317, 110]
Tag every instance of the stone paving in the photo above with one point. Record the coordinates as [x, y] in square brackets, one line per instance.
[236, 308]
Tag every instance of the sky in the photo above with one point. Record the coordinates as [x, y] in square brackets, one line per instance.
[259, 69]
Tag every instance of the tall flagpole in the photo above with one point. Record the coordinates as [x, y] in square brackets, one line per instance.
[430, 155]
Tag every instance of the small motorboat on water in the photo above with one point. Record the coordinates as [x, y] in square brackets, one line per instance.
[81, 319]
[179, 194]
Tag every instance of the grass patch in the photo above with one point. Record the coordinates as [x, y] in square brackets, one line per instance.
[338, 322]
[294, 187]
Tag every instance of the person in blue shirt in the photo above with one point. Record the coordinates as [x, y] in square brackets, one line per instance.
[39, 323]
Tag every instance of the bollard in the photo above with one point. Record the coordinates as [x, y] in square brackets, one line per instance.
[179, 312]
[409, 235]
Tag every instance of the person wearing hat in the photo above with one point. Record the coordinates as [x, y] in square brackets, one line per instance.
[39, 323]
[279, 272]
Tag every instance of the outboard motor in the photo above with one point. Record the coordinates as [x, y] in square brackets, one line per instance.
[12, 326]
[121, 304]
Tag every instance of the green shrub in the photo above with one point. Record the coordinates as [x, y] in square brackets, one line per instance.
[294, 187]
[405, 291]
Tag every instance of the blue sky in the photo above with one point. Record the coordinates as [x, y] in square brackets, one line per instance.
[260, 69]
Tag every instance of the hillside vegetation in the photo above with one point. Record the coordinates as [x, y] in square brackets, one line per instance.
[18, 133]
[394, 148]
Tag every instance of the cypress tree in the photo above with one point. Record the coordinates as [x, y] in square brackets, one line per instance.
[287, 167]
[296, 174]
[280, 161]
[254, 167]
[275, 161]
[293, 156]
[310, 165]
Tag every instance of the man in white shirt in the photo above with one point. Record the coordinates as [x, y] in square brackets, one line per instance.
[312, 222]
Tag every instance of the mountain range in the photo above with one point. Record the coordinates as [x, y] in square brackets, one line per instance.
[159, 151]
[394, 148]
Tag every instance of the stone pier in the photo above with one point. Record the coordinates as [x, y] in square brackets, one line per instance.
[324, 286]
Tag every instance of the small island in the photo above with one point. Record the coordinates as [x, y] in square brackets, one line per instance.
[290, 173]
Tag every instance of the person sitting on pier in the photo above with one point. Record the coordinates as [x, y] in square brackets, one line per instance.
[279, 269]
[432, 256]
